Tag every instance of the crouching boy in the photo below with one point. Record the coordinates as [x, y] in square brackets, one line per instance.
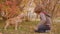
[45, 20]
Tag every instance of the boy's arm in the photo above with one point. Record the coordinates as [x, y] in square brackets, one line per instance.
[43, 18]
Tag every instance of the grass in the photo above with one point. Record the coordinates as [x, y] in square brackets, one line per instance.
[26, 28]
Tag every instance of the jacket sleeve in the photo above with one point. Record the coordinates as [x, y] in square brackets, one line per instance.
[43, 18]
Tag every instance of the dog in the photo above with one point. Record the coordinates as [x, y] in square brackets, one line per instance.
[14, 21]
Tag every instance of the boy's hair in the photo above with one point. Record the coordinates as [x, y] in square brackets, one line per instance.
[38, 9]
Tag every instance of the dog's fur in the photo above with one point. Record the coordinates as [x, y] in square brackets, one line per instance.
[14, 21]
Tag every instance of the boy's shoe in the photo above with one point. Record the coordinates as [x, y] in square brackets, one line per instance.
[40, 31]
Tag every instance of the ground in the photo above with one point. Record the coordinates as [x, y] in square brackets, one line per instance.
[27, 28]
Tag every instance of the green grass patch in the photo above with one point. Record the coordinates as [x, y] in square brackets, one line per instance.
[25, 28]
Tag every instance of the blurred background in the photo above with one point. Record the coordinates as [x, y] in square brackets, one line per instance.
[12, 8]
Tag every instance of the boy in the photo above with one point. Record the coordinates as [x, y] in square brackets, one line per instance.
[45, 20]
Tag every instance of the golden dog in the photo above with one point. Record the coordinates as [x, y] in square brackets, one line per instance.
[14, 21]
